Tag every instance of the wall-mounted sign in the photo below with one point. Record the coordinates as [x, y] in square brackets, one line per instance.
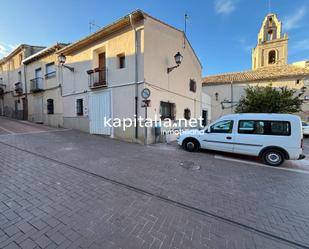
[146, 103]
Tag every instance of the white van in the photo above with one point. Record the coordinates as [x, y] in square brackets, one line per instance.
[272, 137]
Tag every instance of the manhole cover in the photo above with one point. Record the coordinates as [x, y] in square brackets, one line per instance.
[189, 165]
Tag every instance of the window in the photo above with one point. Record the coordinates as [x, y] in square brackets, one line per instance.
[251, 127]
[192, 86]
[79, 107]
[121, 61]
[272, 57]
[187, 114]
[280, 128]
[50, 106]
[225, 126]
[50, 70]
[167, 110]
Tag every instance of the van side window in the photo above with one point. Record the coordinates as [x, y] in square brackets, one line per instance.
[263, 127]
[251, 127]
[225, 126]
[280, 128]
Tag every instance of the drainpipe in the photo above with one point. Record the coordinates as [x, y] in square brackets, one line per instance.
[232, 96]
[136, 76]
[26, 91]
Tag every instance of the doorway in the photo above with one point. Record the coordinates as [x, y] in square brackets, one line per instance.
[25, 108]
[204, 117]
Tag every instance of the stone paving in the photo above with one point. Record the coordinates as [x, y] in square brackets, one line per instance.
[44, 204]
[131, 187]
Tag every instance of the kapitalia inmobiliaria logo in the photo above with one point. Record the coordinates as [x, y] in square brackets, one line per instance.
[166, 123]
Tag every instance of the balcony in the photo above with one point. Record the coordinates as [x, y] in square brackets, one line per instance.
[36, 85]
[18, 88]
[50, 75]
[97, 78]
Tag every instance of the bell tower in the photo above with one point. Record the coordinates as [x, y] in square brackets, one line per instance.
[272, 47]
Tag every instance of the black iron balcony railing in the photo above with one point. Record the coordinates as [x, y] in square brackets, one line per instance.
[50, 75]
[18, 88]
[97, 77]
[36, 84]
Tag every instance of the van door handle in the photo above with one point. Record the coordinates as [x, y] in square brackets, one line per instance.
[229, 138]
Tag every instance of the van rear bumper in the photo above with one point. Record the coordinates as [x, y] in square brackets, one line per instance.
[301, 156]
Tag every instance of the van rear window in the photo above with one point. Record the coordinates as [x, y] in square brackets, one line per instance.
[264, 127]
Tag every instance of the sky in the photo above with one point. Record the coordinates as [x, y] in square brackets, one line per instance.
[222, 32]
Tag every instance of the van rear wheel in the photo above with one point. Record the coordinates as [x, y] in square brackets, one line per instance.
[273, 157]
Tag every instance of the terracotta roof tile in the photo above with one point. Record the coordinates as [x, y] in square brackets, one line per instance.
[266, 73]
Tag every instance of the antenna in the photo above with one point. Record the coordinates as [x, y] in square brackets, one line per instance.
[186, 18]
[185, 31]
[93, 24]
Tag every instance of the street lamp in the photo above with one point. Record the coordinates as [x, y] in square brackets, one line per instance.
[62, 59]
[178, 58]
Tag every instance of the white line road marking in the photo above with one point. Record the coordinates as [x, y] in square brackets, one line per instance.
[259, 164]
[32, 132]
[6, 130]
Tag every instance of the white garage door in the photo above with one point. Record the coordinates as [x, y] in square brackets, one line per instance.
[99, 107]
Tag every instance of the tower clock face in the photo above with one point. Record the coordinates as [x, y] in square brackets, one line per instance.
[145, 93]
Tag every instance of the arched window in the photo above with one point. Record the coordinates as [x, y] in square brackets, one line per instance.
[50, 106]
[272, 57]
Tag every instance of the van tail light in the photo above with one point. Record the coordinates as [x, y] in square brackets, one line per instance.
[302, 143]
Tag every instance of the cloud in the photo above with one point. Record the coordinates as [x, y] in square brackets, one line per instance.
[5, 48]
[301, 45]
[295, 20]
[244, 44]
[225, 7]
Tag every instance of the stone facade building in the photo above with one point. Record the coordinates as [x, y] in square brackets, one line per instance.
[269, 66]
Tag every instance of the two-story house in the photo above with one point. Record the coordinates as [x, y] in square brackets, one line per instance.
[105, 73]
[44, 88]
[13, 89]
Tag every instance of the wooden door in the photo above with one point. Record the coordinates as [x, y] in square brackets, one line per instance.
[102, 65]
